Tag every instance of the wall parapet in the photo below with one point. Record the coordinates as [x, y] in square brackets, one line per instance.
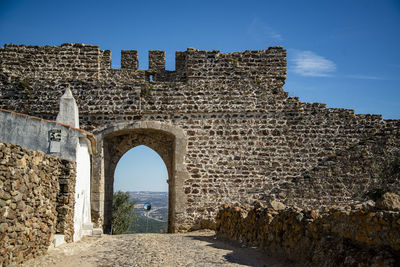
[337, 236]
[74, 60]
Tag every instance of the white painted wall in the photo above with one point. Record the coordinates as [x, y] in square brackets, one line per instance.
[82, 219]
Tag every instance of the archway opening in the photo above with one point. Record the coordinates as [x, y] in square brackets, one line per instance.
[117, 143]
[167, 140]
[142, 173]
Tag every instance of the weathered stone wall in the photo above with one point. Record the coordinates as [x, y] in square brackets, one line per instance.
[362, 235]
[349, 174]
[29, 201]
[66, 200]
[82, 61]
[247, 139]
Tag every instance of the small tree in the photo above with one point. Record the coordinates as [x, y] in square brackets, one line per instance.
[123, 212]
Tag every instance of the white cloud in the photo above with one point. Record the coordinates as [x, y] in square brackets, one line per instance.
[307, 63]
[365, 77]
[260, 31]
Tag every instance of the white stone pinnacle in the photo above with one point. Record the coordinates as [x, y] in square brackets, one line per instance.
[69, 113]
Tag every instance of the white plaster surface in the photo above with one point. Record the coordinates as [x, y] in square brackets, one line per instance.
[58, 240]
[82, 219]
[68, 113]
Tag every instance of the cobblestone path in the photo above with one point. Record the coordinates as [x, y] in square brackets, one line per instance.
[198, 248]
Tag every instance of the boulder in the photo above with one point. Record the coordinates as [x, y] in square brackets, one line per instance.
[389, 201]
[276, 205]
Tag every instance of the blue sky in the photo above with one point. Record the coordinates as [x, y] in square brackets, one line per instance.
[141, 169]
[343, 53]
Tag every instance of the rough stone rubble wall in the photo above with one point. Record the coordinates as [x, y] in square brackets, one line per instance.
[348, 174]
[30, 200]
[247, 139]
[66, 200]
[339, 236]
[82, 61]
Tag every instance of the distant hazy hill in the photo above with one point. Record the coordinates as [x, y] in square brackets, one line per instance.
[157, 199]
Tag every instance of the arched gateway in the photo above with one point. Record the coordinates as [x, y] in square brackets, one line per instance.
[167, 140]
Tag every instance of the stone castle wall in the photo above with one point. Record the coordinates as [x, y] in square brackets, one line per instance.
[32, 207]
[247, 139]
[363, 235]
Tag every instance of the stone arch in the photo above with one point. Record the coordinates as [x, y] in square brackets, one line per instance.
[167, 140]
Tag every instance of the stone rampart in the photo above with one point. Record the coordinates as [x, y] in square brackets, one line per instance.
[247, 140]
[32, 207]
[361, 235]
[47, 61]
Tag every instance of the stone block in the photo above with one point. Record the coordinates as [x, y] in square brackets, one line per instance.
[97, 232]
[58, 240]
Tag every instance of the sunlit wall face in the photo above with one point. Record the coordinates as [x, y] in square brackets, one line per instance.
[141, 169]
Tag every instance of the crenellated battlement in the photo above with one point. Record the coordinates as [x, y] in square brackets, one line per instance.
[194, 63]
[89, 61]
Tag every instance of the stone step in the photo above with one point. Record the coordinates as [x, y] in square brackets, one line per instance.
[97, 232]
[87, 226]
[87, 232]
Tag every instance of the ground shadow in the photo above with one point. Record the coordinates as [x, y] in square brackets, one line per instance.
[242, 254]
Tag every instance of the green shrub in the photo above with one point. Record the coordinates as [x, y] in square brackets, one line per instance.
[387, 172]
[123, 212]
[145, 89]
[24, 84]
[375, 194]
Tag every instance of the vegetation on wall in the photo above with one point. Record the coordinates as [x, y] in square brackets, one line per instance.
[145, 90]
[123, 212]
[387, 172]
